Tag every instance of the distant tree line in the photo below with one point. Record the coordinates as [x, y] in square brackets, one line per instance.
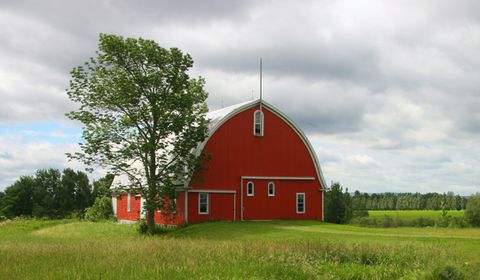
[408, 201]
[51, 193]
[341, 206]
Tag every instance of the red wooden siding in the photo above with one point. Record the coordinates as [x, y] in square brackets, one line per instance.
[122, 210]
[176, 218]
[220, 207]
[283, 204]
[236, 152]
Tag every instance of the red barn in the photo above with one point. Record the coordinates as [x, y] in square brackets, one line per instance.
[261, 167]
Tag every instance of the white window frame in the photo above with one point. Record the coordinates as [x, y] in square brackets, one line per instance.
[255, 123]
[253, 189]
[129, 202]
[304, 203]
[273, 188]
[208, 203]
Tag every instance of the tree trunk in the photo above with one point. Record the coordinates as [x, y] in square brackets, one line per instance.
[150, 203]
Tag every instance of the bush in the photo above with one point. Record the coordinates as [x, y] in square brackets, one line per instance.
[360, 213]
[142, 228]
[364, 221]
[101, 209]
[472, 211]
[458, 222]
[423, 222]
[443, 221]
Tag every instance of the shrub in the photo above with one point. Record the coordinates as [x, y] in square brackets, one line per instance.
[472, 211]
[364, 221]
[387, 222]
[443, 221]
[423, 222]
[101, 209]
[360, 213]
[142, 228]
[458, 222]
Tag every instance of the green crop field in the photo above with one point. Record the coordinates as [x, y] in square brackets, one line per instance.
[250, 250]
[413, 214]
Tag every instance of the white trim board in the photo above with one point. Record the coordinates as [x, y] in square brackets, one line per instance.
[278, 178]
[212, 191]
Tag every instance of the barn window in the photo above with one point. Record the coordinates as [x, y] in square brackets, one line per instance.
[202, 203]
[250, 189]
[129, 202]
[271, 189]
[300, 203]
[258, 123]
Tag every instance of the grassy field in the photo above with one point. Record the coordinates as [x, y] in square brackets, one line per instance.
[413, 214]
[249, 250]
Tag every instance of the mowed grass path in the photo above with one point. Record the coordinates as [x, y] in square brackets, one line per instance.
[249, 250]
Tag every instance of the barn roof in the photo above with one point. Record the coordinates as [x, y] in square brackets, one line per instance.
[218, 117]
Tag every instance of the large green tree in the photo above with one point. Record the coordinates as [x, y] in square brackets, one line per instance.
[142, 115]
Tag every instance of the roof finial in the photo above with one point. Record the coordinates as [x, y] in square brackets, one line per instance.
[260, 84]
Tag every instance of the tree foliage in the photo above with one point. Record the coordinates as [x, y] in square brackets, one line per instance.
[472, 212]
[100, 210]
[50, 193]
[408, 201]
[338, 206]
[142, 114]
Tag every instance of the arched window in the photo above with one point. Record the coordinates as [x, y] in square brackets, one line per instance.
[258, 123]
[271, 189]
[250, 189]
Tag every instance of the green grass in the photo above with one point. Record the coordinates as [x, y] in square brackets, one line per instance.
[413, 214]
[251, 250]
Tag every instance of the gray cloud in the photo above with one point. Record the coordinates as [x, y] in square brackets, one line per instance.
[388, 92]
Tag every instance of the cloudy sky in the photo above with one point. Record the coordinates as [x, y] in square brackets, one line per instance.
[387, 91]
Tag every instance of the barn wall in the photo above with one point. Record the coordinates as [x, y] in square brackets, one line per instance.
[159, 217]
[236, 152]
[221, 208]
[169, 218]
[122, 213]
[283, 204]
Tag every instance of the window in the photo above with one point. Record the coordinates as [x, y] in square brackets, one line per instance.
[250, 189]
[202, 203]
[300, 203]
[271, 189]
[129, 199]
[258, 123]
[159, 205]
